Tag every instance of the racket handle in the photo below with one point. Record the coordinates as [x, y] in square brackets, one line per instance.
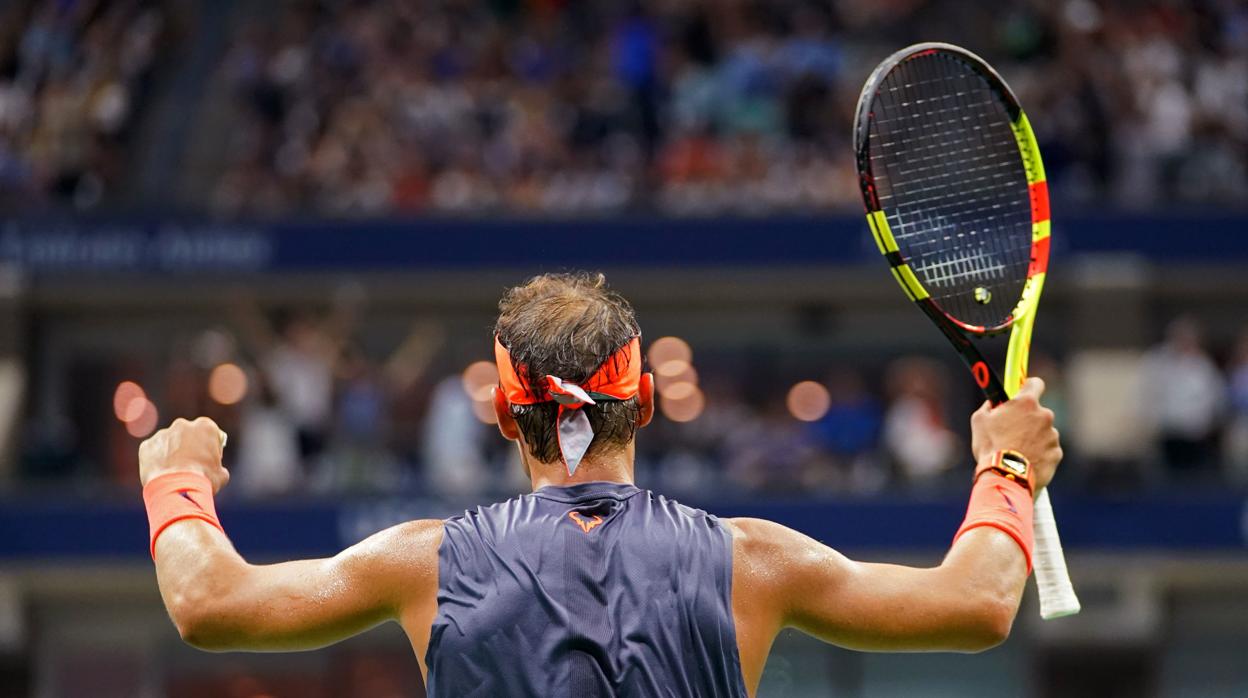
[1057, 596]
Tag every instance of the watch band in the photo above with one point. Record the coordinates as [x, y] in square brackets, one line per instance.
[1011, 465]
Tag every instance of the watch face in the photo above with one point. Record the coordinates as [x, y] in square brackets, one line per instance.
[1014, 463]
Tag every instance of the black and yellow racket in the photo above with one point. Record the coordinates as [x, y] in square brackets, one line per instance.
[958, 204]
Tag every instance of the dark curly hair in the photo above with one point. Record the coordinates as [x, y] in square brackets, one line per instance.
[567, 325]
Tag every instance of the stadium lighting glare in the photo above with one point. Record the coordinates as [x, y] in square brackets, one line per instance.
[668, 353]
[128, 401]
[478, 378]
[674, 367]
[686, 409]
[227, 384]
[484, 411]
[680, 391]
[808, 401]
[134, 410]
[668, 383]
[143, 425]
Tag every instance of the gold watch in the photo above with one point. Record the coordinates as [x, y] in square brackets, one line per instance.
[1011, 465]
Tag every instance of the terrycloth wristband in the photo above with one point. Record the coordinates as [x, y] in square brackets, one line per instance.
[176, 496]
[1005, 505]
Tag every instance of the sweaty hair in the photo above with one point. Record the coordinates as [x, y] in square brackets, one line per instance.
[567, 325]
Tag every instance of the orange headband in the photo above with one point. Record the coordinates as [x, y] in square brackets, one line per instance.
[618, 378]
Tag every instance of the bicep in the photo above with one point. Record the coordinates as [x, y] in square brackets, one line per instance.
[875, 606]
[305, 604]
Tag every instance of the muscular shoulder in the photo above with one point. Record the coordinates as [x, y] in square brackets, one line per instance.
[776, 560]
[766, 540]
[424, 535]
[410, 538]
[400, 559]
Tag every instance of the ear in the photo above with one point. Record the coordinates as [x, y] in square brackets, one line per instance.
[502, 411]
[645, 399]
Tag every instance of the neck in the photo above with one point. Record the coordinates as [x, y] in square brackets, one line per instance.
[614, 466]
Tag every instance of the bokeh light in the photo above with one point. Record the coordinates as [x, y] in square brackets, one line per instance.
[227, 384]
[145, 423]
[128, 401]
[675, 367]
[478, 378]
[665, 384]
[685, 409]
[680, 391]
[670, 356]
[808, 401]
[484, 411]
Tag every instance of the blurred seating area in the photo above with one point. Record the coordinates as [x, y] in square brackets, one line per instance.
[383, 107]
[324, 400]
[75, 81]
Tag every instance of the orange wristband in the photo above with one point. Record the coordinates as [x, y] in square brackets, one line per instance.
[176, 496]
[1005, 505]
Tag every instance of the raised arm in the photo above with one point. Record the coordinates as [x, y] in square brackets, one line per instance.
[967, 603]
[219, 601]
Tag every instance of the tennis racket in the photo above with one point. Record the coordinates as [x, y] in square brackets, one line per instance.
[957, 202]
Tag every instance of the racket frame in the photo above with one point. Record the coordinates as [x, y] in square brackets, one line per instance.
[1057, 596]
[959, 333]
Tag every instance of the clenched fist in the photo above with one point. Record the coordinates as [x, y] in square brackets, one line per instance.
[1022, 425]
[185, 447]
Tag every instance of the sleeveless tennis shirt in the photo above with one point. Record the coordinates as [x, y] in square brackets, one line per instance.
[592, 590]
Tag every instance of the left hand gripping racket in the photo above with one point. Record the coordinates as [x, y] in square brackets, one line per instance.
[957, 202]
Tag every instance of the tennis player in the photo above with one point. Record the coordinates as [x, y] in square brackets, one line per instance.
[591, 586]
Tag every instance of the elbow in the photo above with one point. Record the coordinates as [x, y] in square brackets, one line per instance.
[990, 624]
[195, 633]
[197, 625]
[995, 630]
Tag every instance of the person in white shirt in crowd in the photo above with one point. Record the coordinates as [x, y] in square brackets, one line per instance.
[917, 436]
[1184, 398]
[299, 355]
[268, 443]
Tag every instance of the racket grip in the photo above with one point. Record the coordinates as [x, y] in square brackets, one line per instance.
[1057, 595]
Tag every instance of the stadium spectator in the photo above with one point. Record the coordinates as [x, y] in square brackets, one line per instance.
[454, 451]
[73, 83]
[1237, 431]
[850, 431]
[298, 356]
[1184, 397]
[380, 107]
[700, 108]
[358, 458]
[916, 434]
[268, 445]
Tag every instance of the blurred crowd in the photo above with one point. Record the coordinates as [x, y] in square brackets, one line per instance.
[314, 402]
[75, 76]
[705, 106]
[376, 107]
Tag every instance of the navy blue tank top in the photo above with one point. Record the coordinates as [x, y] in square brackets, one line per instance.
[597, 589]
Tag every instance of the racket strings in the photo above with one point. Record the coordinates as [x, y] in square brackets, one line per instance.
[951, 182]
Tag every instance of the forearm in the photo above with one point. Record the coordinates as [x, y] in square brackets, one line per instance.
[218, 601]
[200, 576]
[987, 571]
[966, 604]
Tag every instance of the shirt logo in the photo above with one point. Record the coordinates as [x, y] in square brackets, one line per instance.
[586, 525]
